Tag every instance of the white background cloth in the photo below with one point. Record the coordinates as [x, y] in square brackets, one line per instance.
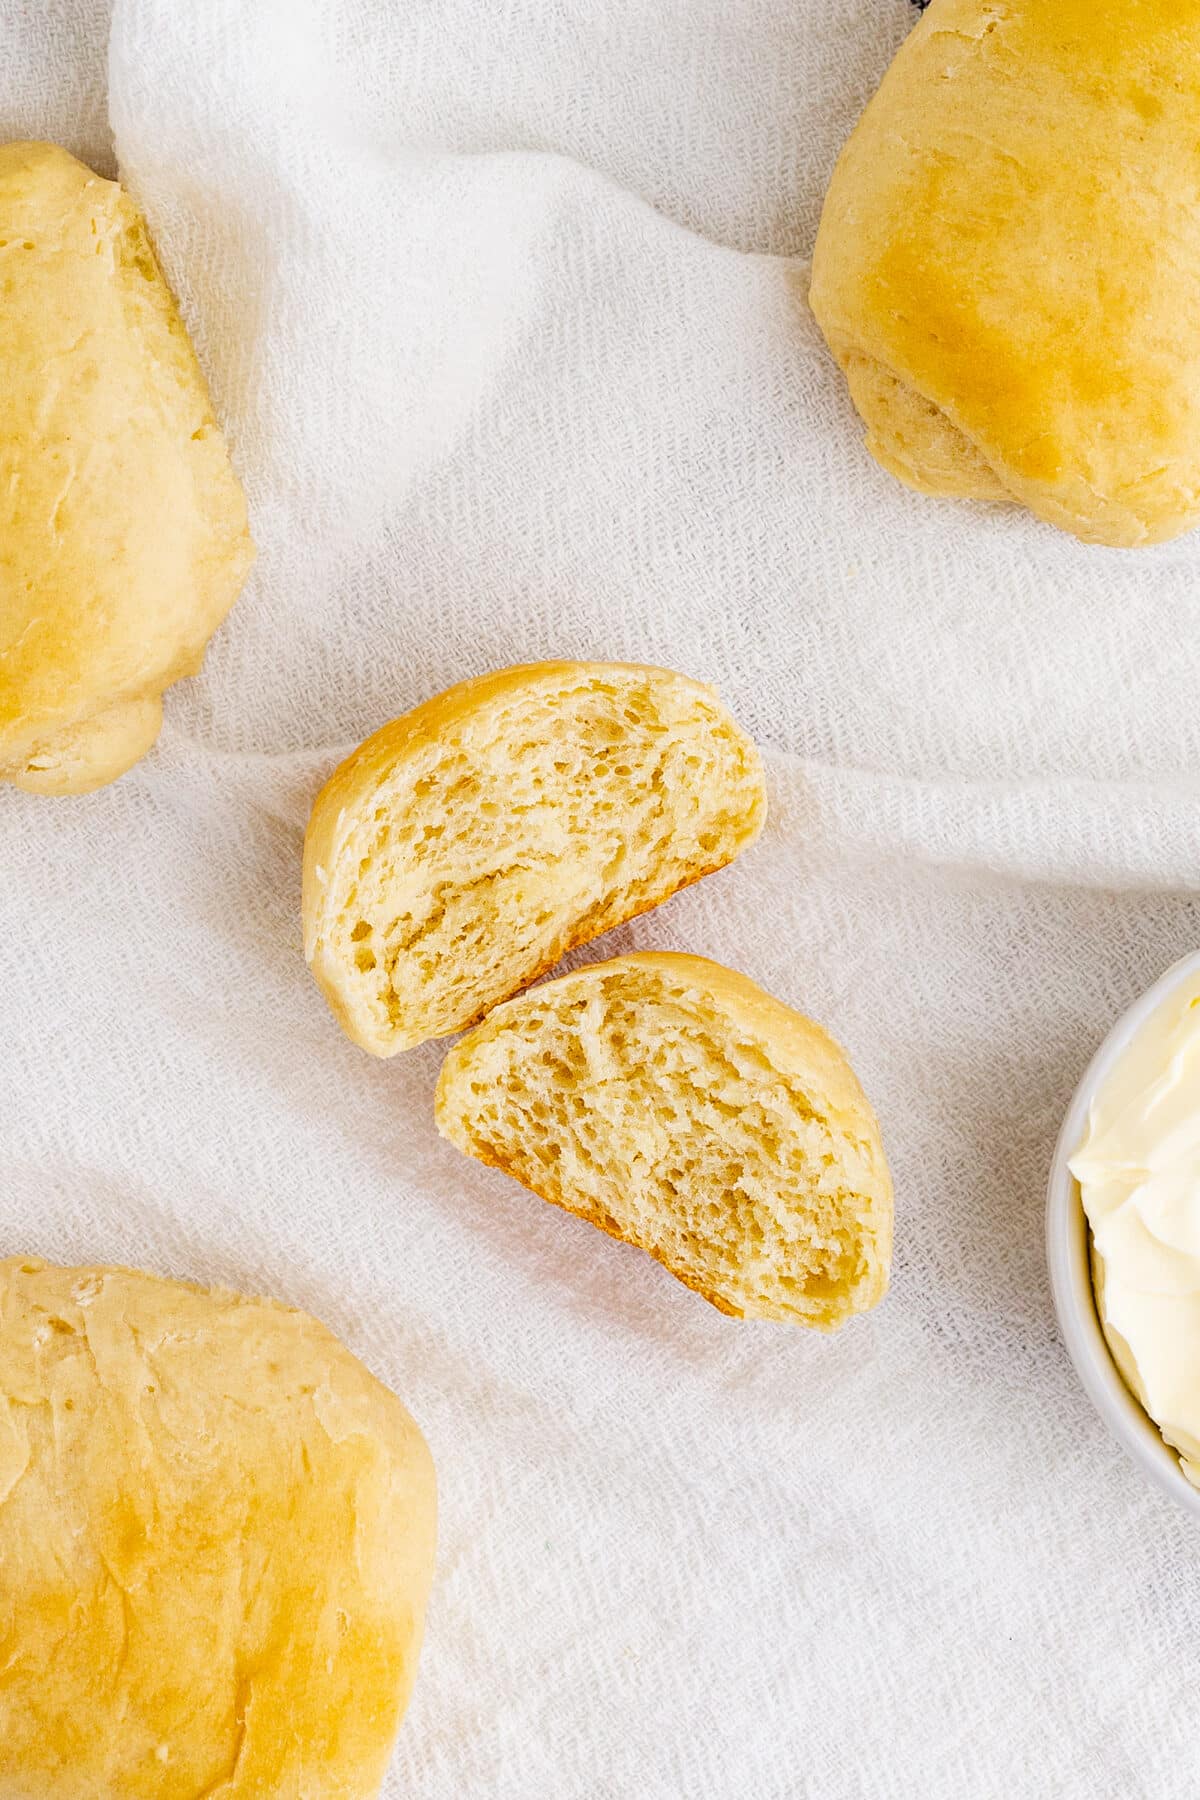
[501, 304]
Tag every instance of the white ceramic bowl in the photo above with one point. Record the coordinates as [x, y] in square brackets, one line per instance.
[1067, 1251]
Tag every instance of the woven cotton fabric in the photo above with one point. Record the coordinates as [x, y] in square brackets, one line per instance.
[502, 306]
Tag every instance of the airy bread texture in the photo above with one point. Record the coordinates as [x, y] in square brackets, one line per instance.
[676, 1105]
[123, 535]
[216, 1541]
[1008, 262]
[462, 850]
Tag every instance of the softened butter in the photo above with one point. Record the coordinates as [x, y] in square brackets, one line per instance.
[1138, 1170]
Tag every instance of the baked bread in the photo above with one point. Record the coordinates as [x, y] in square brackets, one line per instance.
[463, 849]
[123, 536]
[1008, 260]
[679, 1107]
[216, 1539]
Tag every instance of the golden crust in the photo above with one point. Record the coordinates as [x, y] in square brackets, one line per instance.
[798, 1047]
[1008, 257]
[216, 1540]
[123, 534]
[349, 795]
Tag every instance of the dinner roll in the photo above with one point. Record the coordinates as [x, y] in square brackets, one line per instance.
[1008, 262]
[463, 849]
[123, 535]
[677, 1106]
[216, 1540]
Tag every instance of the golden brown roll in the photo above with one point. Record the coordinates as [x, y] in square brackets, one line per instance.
[466, 847]
[1008, 262]
[677, 1106]
[123, 534]
[216, 1540]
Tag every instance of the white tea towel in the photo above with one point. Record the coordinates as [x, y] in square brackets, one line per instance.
[501, 302]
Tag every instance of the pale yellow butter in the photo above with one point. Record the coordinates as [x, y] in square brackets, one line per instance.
[1138, 1170]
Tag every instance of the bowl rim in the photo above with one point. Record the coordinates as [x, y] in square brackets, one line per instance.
[1068, 1256]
